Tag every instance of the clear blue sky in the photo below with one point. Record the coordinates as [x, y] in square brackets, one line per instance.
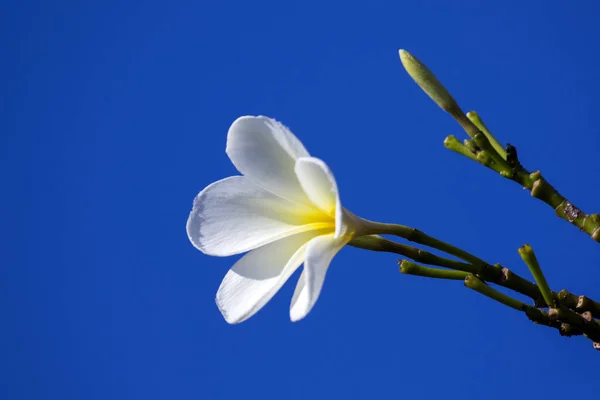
[114, 115]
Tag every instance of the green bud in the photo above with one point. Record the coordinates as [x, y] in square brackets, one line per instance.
[428, 82]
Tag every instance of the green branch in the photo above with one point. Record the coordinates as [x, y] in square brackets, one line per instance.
[504, 162]
[587, 325]
[579, 303]
[491, 273]
[566, 320]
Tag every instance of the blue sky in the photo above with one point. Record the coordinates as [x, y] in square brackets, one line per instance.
[115, 114]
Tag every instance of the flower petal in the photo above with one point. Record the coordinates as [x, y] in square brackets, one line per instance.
[319, 253]
[257, 276]
[266, 151]
[235, 215]
[319, 184]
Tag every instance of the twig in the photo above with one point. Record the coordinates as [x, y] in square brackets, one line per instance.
[409, 268]
[502, 161]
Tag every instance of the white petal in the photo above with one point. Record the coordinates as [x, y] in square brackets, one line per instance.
[319, 253]
[257, 276]
[319, 184]
[266, 151]
[235, 215]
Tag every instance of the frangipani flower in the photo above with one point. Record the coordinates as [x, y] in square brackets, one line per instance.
[285, 210]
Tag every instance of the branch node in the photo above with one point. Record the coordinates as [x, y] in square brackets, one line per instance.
[568, 330]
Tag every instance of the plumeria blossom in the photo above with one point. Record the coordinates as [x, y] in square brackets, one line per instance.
[284, 211]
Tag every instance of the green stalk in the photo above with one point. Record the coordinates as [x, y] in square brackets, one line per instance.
[517, 283]
[534, 314]
[496, 274]
[484, 158]
[579, 303]
[499, 275]
[472, 282]
[453, 144]
[569, 330]
[567, 299]
[571, 324]
[479, 133]
[440, 95]
[540, 317]
[471, 146]
[377, 243]
[481, 140]
[528, 256]
[586, 304]
[588, 326]
[415, 235]
[427, 81]
[410, 268]
[591, 323]
[564, 209]
[474, 117]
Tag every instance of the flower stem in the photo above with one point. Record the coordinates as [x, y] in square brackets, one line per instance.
[417, 236]
[377, 243]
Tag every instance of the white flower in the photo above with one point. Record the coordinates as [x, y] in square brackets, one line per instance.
[285, 211]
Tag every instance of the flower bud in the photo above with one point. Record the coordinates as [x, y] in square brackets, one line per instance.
[428, 82]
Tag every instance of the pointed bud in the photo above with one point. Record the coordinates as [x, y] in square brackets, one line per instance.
[428, 82]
